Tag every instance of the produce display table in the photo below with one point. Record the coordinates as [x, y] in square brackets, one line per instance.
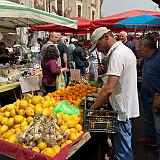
[8, 87]
[20, 153]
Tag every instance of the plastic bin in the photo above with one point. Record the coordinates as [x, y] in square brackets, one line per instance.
[99, 120]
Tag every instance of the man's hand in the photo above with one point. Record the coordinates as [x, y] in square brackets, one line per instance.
[106, 91]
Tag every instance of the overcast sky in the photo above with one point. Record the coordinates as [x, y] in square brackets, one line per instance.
[110, 7]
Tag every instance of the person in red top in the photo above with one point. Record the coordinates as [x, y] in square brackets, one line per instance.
[50, 69]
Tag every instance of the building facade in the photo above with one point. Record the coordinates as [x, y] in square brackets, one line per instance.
[90, 9]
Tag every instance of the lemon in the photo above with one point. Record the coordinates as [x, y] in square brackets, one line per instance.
[23, 124]
[81, 132]
[10, 122]
[63, 145]
[21, 112]
[73, 130]
[3, 109]
[30, 123]
[13, 130]
[73, 137]
[29, 101]
[12, 112]
[38, 109]
[49, 152]
[18, 131]
[68, 141]
[56, 148]
[24, 128]
[12, 139]
[17, 102]
[36, 149]
[47, 98]
[46, 104]
[36, 99]
[42, 145]
[47, 111]
[29, 112]
[7, 114]
[16, 126]
[10, 107]
[60, 121]
[18, 119]
[31, 106]
[78, 127]
[3, 129]
[68, 131]
[4, 120]
[29, 119]
[28, 97]
[63, 127]
[71, 123]
[23, 104]
[66, 117]
[74, 116]
[60, 115]
[8, 134]
[17, 108]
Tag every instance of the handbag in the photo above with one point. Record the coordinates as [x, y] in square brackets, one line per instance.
[101, 68]
[156, 103]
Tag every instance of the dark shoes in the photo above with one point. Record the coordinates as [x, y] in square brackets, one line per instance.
[147, 141]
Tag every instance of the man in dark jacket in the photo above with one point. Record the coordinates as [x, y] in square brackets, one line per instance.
[79, 55]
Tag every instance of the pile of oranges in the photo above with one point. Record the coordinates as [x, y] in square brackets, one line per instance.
[73, 94]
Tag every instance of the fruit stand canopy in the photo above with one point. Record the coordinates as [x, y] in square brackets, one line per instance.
[13, 15]
[140, 22]
[110, 20]
[83, 24]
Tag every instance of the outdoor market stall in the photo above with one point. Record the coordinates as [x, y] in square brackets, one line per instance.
[109, 21]
[33, 113]
[13, 15]
[83, 26]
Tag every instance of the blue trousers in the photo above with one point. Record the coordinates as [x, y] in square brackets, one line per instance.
[149, 125]
[157, 126]
[122, 141]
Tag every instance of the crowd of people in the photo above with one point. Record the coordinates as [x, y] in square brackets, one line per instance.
[119, 57]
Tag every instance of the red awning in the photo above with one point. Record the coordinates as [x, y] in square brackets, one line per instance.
[110, 20]
[82, 23]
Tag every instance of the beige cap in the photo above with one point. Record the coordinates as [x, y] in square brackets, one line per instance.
[96, 35]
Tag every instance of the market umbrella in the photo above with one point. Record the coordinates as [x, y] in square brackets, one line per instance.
[144, 21]
[110, 20]
[13, 15]
[83, 26]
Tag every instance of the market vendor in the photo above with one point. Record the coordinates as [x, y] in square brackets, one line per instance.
[4, 53]
[120, 88]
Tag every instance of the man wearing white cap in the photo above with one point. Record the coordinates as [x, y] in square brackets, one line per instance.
[120, 87]
[71, 48]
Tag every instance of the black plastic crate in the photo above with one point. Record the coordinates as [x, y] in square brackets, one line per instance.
[99, 120]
